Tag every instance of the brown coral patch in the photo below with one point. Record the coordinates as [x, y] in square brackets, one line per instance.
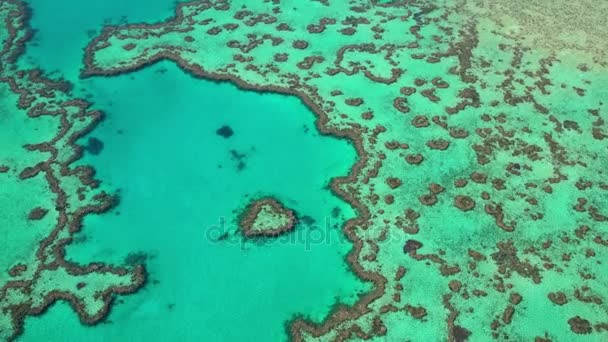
[435, 188]
[428, 199]
[400, 104]
[464, 203]
[407, 91]
[460, 183]
[355, 102]
[300, 44]
[393, 182]
[411, 246]
[417, 312]
[438, 144]
[479, 177]
[558, 298]
[579, 325]
[37, 214]
[414, 159]
[420, 121]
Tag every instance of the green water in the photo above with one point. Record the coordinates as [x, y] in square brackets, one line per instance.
[178, 181]
[481, 127]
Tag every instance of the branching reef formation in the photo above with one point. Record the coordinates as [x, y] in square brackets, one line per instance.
[43, 198]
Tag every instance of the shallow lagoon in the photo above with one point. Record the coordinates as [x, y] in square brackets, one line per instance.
[182, 186]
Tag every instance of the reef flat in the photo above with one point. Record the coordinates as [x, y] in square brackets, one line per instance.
[480, 186]
[43, 198]
[481, 138]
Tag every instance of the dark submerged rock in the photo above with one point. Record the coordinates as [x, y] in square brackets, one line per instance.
[94, 146]
[225, 131]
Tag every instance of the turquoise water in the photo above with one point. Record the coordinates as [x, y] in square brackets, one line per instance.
[483, 183]
[178, 181]
[64, 27]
